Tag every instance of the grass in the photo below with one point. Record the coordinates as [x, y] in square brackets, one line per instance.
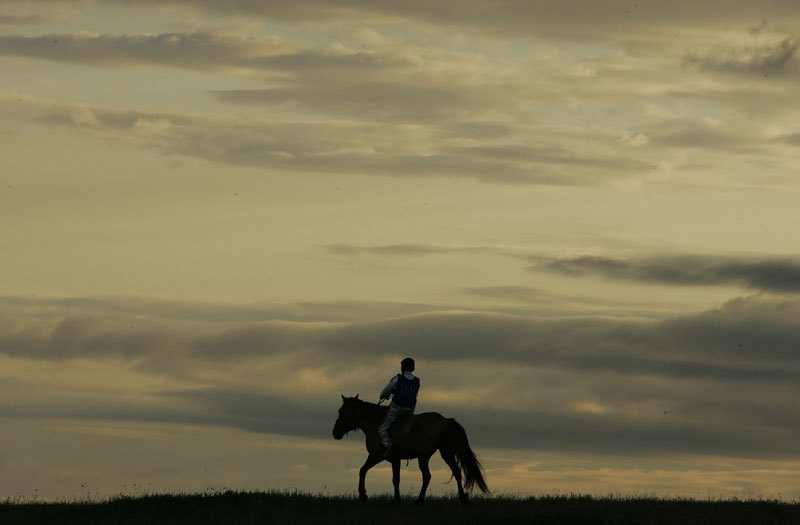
[295, 507]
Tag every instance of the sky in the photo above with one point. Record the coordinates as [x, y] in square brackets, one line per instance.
[580, 218]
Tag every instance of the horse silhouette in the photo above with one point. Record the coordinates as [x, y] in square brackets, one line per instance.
[413, 436]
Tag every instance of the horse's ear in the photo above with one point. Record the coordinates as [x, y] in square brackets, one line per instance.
[356, 396]
[342, 396]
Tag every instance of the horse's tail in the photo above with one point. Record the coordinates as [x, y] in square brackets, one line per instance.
[455, 438]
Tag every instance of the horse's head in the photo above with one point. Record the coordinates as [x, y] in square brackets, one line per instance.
[348, 419]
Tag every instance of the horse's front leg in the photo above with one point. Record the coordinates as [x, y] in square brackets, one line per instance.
[396, 479]
[371, 461]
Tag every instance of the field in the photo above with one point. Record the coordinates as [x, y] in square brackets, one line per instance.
[283, 507]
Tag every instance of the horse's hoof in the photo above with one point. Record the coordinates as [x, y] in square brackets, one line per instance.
[419, 502]
[363, 497]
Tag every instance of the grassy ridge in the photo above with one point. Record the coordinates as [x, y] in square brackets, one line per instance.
[275, 507]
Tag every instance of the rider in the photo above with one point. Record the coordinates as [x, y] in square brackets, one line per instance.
[403, 388]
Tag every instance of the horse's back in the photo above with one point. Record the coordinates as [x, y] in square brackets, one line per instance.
[418, 433]
[429, 417]
[414, 422]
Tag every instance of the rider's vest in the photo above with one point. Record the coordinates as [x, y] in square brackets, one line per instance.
[405, 392]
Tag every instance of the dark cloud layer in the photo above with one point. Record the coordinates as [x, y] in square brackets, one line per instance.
[764, 60]
[772, 275]
[584, 20]
[531, 430]
[718, 382]
[746, 340]
[522, 430]
[82, 338]
[764, 273]
[197, 50]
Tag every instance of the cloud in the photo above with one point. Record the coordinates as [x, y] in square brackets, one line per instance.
[374, 105]
[535, 153]
[745, 341]
[533, 430]
[718, 382]
[199, 50]
[73, 338]
[398, 82]
[527, 430]
[399, 100]
[502, 19]
[566, 303]
[407, 249]
[14, 12]
[520, 293]
[706, 136]
[792, 138]
[317, 147]
[766, 274]
[670, 349]
[763, 60]
[257, 412]
[16, 19]
[144, 310]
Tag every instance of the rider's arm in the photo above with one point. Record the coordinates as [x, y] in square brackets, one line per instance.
[389, 388]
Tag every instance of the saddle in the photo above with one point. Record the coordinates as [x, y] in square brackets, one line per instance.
[400, 429]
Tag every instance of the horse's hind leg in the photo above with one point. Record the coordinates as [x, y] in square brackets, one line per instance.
[396, 479]
[426, 478]
[449, 457]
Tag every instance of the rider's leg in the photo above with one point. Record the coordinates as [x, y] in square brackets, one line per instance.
[383, 429]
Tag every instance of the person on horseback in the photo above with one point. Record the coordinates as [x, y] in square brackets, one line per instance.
[403, 388]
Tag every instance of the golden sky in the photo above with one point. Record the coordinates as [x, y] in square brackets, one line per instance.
[579, 217]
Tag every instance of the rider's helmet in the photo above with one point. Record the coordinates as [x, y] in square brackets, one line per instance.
[407, 364]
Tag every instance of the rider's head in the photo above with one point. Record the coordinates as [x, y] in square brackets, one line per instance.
[407, 365]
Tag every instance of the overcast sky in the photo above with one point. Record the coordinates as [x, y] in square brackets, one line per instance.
[579, 217]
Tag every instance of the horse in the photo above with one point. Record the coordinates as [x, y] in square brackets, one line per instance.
[414, 436]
